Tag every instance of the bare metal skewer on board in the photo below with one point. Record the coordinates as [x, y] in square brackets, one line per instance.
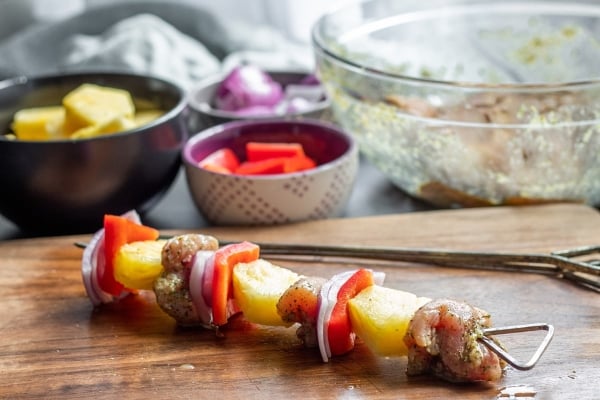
[560, 263]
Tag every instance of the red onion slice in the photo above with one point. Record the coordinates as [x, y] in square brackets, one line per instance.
[92, 256]
[201, 281]
[201, 260]
[254, 111]
[93, 264]
[311, 93]
[207, 281]
[378, 277]
[247, 86]
[327, 300]
[248, 91]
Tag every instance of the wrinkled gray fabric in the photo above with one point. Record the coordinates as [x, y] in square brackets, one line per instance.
[143, 43]
[171, 40]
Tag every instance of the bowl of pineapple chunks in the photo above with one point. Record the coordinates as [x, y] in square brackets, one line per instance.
[74, 147]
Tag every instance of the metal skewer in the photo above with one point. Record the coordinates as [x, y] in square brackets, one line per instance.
[522, 366]
[560, 263]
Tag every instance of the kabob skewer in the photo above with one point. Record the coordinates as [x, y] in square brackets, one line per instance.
[197, 281]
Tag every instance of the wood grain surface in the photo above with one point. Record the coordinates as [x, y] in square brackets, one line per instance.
[54, 344]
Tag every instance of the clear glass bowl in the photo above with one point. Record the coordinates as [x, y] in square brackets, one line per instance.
[470, 103]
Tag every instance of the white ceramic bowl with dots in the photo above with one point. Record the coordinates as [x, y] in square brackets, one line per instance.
[232, 199]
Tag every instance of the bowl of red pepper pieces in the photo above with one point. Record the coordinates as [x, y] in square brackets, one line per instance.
[270, 171]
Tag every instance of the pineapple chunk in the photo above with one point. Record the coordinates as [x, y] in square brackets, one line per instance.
[380, 317]
[39, 123]
[119, 124]
[87, 111]
[257, 287]
[143, 117]
[138, 264]
[90, 105]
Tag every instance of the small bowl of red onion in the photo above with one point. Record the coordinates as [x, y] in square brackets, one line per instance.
[248, 92]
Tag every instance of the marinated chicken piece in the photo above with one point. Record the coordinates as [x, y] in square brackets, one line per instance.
[173, 297]
[412, 105]
[491, 107]
[178, 252]
[300, 304]
[442, 338]
[172, 286]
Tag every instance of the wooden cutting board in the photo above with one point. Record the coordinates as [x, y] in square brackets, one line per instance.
[53, 344]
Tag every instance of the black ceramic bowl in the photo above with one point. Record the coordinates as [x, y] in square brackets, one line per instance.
[66, 186]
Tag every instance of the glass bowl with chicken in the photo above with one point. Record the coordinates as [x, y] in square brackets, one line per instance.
[467, 102]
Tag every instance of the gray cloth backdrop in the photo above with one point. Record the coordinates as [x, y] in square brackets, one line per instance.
[174, 41]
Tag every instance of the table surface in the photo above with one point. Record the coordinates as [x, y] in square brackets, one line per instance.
[56, 345]
[373, 194]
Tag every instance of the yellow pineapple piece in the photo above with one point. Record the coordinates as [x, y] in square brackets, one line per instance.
[138, 264]
[380, 317]
[39, 123]
[86, 132]
[143, 117]
[257, 287]
[94, 105]
[120, 124]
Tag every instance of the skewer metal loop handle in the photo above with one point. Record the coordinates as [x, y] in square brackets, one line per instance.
[493, 346]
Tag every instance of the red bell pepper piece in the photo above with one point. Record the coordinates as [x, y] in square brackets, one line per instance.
[339, 328]
[280, 165]
[226, 258]
[117, 232]
[298, 163]
[262, 167]
[261, 159]
[223, 160]
[258, 151]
